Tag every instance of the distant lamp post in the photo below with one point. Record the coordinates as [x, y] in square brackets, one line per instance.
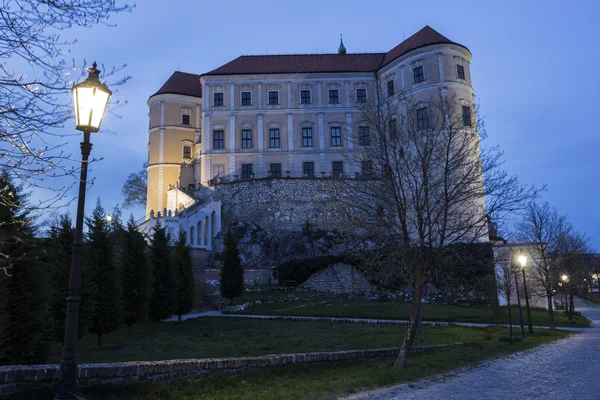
[109, 219]
[90, 100]
[519, 304]
[523, 262]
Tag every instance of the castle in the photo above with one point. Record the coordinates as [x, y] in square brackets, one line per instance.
[284, 122]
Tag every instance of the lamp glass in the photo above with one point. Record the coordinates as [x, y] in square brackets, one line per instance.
[523, 260]
[90, 104]
[564, 278]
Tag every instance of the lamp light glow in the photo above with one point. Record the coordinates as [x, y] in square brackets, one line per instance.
[523, 260]
[564, 277]
[90, 99]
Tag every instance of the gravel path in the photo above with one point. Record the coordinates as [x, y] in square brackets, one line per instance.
[565, 369]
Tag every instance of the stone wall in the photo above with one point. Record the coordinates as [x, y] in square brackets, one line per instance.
[22, 378]
[339, 278]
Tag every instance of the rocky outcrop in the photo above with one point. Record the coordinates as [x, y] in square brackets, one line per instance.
[338, 278]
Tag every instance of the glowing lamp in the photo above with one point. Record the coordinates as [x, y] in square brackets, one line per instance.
[523, 260]
[90, 99]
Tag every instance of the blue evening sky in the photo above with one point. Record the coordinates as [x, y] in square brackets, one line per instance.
[535, 73]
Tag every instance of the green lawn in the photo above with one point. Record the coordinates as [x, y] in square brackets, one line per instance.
[229, 337]
[325, 381]
[338, 306]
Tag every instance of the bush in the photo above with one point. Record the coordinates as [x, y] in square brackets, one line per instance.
[490, 333]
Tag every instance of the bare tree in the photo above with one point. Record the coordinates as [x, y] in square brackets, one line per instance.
[135, 188]
[552, 243]
[35, 104]
[505, 279]
[432, 187]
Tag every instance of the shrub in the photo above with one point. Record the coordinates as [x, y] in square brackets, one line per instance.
[489, 333]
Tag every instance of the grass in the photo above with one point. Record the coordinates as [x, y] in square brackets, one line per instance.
[327, 381]
[229, 337]
[337, 306]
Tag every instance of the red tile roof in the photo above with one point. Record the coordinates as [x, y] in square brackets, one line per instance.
[301, 63]
[182, 83]
[189, 84]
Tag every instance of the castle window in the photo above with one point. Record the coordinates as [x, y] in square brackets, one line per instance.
[187, 152]
[361, 95]
[186, 116]
[363, 136]
[466, 115]
[246, 98]
[422, 119]
[273, 98]
[307, 138]
[390, 88]
[218, 99]
[334, 96]
[274, 138]
[338, 169]
[460, 71]
[309, 169]
[246, 139]
[275, 170]
[246, 171]
[219, 139]
[418, 74]
[366, 168]
[336, 136]
[305, 97]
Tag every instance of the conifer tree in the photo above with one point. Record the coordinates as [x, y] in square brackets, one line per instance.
[135, 271]
[162, 299]
[106, 310]
[23, 328]
[232, 273]
[184, 272]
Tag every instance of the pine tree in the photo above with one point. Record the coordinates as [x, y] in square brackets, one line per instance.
[106, 310]
[184, 272]
[162, 299]
[135, 276]
[23, 328]
[232, 273]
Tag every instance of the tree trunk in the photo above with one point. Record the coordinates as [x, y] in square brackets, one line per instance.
[550, 310]
[572, 301]
[99, 342]
[411, 330]
[509, 318]
[569, 307]
[420, 326]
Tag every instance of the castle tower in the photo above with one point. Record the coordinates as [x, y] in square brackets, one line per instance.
[173, 135]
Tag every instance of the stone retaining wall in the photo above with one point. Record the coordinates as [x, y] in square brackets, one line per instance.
[19, 378]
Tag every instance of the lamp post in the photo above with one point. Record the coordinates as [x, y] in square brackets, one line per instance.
[90, 100]
[519, 304]
[565, 279]
[523, 262]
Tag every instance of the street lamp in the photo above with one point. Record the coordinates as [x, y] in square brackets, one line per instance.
[519, 304]
[90, 100]
[523, 262]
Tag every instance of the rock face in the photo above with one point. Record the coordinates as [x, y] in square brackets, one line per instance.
[339, 278]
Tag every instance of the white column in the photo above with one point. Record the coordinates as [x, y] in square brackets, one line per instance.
[207, 98]
[232, 97]
[198, 121]
[347, 94]
[290, 132]
[321, 133]
[201, 231]
[207, 134]
[261, 138]
[209, 232]
[319, 95]
[161, 157]
[440, 60]
[349, 129]
[207, 168]
[232, 130]
[402, 77]
[260, 97]
[231, 167]
[289, 94]
[322, 166]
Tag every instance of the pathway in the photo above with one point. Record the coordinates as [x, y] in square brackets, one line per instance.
[351, 320]
[565, 369]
